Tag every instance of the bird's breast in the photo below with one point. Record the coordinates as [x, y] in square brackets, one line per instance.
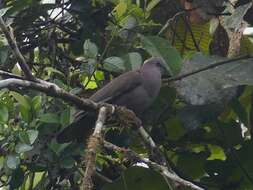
[138, 99]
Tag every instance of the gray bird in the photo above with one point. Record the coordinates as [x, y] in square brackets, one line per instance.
[135, 90]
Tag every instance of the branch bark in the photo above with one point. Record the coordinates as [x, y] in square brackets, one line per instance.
[93, 144]
[51, 90]
[152, 165]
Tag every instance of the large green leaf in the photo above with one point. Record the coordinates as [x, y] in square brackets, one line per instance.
[22, 100]
[160, 47]
[132, 60]
[216, 84]
[114, 64]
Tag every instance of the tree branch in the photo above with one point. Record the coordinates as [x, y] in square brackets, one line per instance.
[10, 75]
[13, 45]
[51, 90]
[152, 165]
[93, 145]
[180, 77]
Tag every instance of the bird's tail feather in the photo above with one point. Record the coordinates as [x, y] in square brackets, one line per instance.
[79, 130]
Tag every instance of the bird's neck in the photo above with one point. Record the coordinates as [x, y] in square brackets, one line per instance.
[152, 77]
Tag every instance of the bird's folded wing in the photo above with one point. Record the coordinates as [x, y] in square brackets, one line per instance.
[114, 89]
[117, 87]
[109, 93]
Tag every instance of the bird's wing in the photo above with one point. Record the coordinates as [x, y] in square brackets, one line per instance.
[114, 89]
[117, 87]
[109, 93]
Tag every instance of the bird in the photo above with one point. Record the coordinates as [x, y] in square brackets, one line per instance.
[135, 90]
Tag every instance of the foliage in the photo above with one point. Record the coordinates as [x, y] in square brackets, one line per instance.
[202, 123]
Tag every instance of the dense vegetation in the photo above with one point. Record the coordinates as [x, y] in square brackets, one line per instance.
[201, 122]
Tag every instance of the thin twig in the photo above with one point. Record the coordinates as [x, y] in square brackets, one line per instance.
[210, 66]
[13, 45]
[152, 165]
[169, 21]
[6, 74]
[146, 137]
[93, 145]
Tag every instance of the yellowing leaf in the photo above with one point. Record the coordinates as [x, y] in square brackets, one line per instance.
[120, 8]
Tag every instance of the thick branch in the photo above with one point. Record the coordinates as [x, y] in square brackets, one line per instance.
[93, 145]
[13, 45]
[51, 90]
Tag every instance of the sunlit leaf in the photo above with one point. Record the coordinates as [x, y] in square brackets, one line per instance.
[217, 153]
[121, 8]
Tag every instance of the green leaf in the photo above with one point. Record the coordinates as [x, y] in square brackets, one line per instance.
[121, 8]
[25, 105]
[25, 113]
[65, 117]
[12, 161]
[4, 114]
[89, 83]
[152, 4]
[56, 147]
[49, 118]
[89, 67]
[1, 162]
[217, 153]
[32, 135]
[132, 61]
[36, 103]
[22, 100]
[160, 47]
[114, 64]
[90, 49]
[29, 136]
[51, 70]
[21, 148]
[23, 136]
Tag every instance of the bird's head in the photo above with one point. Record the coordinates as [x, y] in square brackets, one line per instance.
[158, 63]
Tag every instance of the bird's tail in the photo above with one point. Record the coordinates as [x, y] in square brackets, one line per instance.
[79, 130]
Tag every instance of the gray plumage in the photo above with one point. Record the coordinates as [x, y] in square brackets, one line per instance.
[135, 90]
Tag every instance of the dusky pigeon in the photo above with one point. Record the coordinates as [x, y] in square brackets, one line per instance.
[135, 90]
